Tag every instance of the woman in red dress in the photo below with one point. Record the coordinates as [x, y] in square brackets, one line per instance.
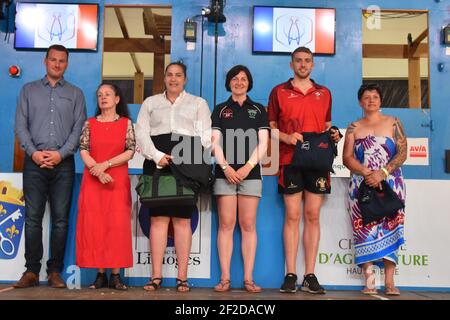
[103, 236]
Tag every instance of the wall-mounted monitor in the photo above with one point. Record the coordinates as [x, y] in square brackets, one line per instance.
[283, 29]
[40, 25]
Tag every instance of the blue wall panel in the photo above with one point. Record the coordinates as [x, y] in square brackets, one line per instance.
[341, 73]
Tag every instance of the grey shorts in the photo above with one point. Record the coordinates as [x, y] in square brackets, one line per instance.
[252, 187]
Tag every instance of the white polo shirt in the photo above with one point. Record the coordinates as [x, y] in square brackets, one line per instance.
[188, 115]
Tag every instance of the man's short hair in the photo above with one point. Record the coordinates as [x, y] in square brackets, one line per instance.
[57, 47]
[370, 87]
[234, 72]
[302, 49]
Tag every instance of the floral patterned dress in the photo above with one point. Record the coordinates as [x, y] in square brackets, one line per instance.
[380, 239]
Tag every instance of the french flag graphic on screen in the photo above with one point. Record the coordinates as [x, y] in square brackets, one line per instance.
[285, 29]
[39, 25]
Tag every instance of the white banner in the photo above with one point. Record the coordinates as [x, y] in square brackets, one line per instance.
[200, 256]
[12, 229]
[338, 164]
[423, 260]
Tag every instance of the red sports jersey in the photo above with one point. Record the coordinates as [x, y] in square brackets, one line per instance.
[298, 112]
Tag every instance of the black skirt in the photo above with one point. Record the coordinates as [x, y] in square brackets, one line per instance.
[164, 143]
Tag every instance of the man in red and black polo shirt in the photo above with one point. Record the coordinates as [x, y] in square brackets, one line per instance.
[296, 106]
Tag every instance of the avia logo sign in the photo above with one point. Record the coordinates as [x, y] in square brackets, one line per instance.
[418, 151]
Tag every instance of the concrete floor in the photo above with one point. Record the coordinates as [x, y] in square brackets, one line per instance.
[43, 292]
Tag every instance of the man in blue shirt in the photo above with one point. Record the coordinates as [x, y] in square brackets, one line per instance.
[49, 117]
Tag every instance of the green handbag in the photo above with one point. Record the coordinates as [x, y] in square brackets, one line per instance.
[163, 190]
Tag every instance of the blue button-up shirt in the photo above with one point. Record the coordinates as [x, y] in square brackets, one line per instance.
[50, 118]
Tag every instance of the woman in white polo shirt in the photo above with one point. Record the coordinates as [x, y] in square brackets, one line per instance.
[173, 112]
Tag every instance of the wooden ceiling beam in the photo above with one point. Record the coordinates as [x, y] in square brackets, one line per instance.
[135, 62]
[138, 94]
[158, 74]
[162, 20]
[123, 27]
[420, 38]
[121, 20]
[136, 6]
[147, 28]
[150, 26]
[416, 43]
[414, 86]
[164, 24]
[393, 51]
[136, 45]
[415, 12]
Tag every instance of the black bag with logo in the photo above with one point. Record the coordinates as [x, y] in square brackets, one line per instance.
[375, 203]
[160, 190]
[317, 151]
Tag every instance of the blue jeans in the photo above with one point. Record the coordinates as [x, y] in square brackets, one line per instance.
[40, 185]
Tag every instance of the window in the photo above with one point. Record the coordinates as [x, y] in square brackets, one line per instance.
[395, 55]
[137, 49]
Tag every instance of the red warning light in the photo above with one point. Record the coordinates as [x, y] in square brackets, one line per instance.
[14, 71]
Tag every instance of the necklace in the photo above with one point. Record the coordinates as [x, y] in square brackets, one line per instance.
[108, 122]
[102, 119]
[172, 101]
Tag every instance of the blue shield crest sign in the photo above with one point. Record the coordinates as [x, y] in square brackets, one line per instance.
[12, 217]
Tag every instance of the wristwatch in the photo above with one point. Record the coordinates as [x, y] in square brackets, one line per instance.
[224, 167]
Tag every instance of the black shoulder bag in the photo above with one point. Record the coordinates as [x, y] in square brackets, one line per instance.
[376, 204]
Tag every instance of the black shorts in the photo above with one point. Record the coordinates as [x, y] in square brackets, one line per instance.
[293, 179]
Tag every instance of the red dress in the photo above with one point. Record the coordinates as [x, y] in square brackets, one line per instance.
[103, 233]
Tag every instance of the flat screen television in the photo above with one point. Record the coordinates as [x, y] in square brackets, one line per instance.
[40, 25]
[283, 29]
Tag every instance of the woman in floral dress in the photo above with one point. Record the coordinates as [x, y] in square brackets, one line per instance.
[375, 148]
